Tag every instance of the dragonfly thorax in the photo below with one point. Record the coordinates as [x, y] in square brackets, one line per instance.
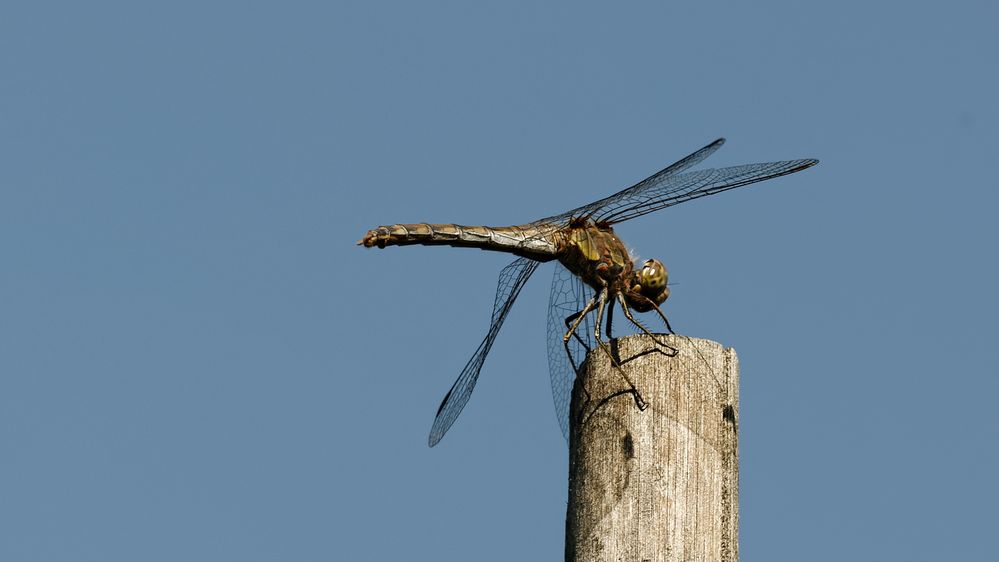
[594, 253]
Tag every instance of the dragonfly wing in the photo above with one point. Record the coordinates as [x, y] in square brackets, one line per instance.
[673, 169]
[568, 296]
[661, 192]
[511, 281]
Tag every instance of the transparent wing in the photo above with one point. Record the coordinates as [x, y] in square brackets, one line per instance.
[511, 281]
[660, 193]
[674, 168]
[669, 187]
[568, 296]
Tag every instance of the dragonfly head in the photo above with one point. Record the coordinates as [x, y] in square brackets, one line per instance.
[650, 281]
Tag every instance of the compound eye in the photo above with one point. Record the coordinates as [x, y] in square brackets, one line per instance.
[653, 277]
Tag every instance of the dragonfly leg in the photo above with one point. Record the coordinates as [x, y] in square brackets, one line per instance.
[610, 317]
[640, 326]
[639, 401]
[572, 324]
[659, 311]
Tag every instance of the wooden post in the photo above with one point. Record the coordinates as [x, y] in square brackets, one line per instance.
[663, 484]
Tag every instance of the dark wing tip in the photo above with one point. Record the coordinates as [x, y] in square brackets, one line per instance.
[718, 142]
[443, 403]
[435, 432]
[797, 166]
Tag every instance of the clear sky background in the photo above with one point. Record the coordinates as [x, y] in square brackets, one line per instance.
[197, 362]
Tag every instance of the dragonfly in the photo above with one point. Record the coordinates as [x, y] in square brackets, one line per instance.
[595, 271]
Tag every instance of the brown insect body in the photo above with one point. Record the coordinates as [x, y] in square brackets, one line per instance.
[589, 250]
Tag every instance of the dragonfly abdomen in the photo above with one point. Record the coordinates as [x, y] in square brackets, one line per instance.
[520, 240]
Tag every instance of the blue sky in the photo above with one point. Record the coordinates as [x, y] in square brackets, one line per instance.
[197, 363]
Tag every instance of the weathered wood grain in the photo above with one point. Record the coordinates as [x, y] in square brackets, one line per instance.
[663, 484]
